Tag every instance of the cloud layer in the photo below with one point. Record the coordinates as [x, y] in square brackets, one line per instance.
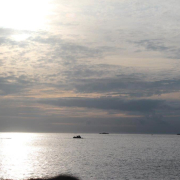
[90, 65]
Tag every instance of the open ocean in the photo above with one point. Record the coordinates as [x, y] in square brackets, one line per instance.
[96, 157]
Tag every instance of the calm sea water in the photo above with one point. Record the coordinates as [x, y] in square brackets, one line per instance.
[96, 157]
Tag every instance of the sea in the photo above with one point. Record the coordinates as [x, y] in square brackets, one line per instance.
[95, 157]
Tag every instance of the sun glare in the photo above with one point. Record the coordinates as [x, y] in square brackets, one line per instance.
[24, 14]
[20, 37]
[15, 153]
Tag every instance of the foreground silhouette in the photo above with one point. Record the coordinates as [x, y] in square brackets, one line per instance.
[60, 177]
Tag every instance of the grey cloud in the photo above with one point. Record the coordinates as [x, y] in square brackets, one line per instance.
[126, 84]
[111, 80]
[6, 37]
[8, 42]
[13, 84]
[107, 103]
[1, 62]
[107, 79]
[170, 51]
[153, 45]
[87, 71]
[25, 115]
[3, 40]
[158, 118]
[5, 32]
[70, 51]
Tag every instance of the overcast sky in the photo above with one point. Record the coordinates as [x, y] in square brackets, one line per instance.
[90, 66]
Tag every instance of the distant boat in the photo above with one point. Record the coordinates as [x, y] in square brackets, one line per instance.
[178, 134]
[78, 137]
[104, 133]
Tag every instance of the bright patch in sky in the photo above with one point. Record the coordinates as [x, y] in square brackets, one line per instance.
[24, 14]
[20, 37]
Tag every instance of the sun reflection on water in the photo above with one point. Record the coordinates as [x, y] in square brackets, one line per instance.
[16, 149]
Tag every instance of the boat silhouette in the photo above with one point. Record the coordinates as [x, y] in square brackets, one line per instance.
[104, 133]
[78, 137]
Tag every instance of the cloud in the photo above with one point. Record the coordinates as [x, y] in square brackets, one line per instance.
[153, 45]
[9, 42]
[168, 49]
[131, 85]
[14, 85]
[4, 32]
[70, 51]
[107, 103]
[106, 57]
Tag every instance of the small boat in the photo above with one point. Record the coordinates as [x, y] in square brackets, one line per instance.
[104, 133]
[78, 137]
[178, 134]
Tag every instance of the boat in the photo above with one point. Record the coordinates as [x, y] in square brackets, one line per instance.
[78, 137]
[178, 134]
[104, 133]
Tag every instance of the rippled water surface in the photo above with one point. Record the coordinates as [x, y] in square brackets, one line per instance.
[96, 157]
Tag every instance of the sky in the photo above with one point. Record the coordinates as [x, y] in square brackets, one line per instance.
[90, 66]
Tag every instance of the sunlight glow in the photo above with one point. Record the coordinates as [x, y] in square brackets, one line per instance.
[24, 14]
[16, 151]
[20, 37]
